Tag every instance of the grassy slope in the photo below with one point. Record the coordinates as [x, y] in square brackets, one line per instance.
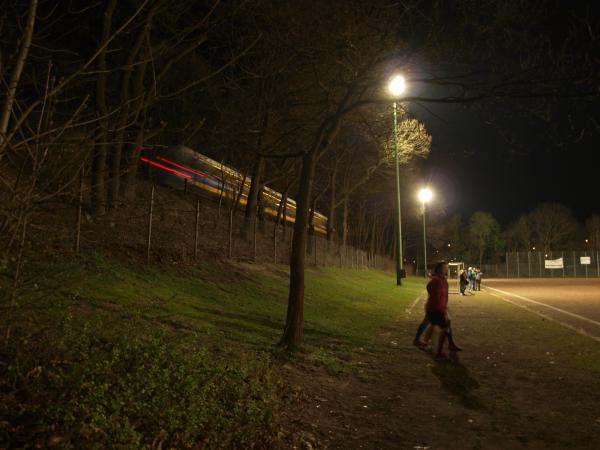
[84, 311]
[210, 333]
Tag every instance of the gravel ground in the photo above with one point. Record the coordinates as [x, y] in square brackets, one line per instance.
[571, 301]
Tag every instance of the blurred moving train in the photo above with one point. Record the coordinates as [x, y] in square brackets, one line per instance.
[185, 169]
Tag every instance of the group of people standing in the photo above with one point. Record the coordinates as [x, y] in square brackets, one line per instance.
[470, 280]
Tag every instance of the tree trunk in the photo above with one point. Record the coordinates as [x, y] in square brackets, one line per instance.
[101, 144]
[15, 76]
[132, 163]
[345, 224]
[115, 156]
[260, 208]
[294, 324]
[373, 237]
[98, 175]
[331, 216]
[133, 156]
[284, 217]
[311, 227]
[253, 195]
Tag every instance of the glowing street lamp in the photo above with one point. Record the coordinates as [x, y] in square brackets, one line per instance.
[396, 87]
[425, 195]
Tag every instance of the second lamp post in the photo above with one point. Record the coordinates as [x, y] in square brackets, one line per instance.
[425, 195]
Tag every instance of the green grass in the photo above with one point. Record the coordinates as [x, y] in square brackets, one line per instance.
[109, 354]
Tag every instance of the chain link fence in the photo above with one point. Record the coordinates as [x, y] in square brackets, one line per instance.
[167, 226]
[576, 263]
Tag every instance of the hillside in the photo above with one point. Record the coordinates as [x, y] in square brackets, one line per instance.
[107, 353]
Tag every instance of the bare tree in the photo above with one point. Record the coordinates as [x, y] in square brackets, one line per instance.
[519, 234]
[553, 225]
[17, 70]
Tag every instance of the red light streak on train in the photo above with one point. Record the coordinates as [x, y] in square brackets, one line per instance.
[154, 163]
[181, 167]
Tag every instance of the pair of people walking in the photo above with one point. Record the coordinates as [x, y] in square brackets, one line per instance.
[436, 311]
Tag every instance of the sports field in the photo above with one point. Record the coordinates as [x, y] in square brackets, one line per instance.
[573, 302]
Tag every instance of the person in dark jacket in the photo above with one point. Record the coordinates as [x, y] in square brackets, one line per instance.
[463, 282]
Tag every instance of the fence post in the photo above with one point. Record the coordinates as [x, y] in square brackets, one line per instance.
[574, 265]
[79, 208]
[540, 263]
[254, 239]
[275, 248]
[196, 233]
[230, 243]
[518, 266]
[528, 263]
[148, 242]
[315, 249]
[506, 264]
[586, 273]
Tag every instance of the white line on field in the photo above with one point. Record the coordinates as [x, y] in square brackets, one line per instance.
[547, 306]
[410, 308]
[545, 316]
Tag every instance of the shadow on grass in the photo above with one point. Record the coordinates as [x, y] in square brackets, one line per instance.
[455, 378]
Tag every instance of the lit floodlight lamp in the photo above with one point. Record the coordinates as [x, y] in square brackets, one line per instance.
[425, 195]
[397, 85]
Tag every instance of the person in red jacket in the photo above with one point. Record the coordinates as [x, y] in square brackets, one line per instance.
[436, 309]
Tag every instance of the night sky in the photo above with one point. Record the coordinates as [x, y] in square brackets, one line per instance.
[505, 158]
[507, 170]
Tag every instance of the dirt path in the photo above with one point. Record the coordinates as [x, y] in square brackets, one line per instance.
[506, 390]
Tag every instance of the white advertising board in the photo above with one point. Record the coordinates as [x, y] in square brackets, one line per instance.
[553, 263]
[585, 259]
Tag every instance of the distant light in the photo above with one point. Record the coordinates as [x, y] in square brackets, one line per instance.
[532, 248]
[397, 85]
[586, 241]
[425, 195]
[546, 255]
[448, 244]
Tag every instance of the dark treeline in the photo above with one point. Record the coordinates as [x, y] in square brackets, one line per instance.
[292, 94]
[480, 239]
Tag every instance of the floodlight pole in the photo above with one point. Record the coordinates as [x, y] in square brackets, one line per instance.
[424, 243]
[399, 264]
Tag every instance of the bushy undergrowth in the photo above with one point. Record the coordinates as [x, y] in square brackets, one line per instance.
[132, 390]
